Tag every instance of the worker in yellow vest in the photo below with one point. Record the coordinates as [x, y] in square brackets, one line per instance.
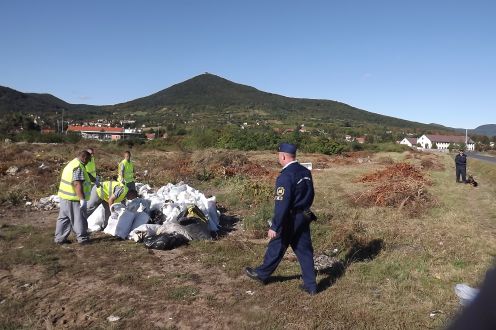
[91, 167]
[108, 193]
[74, 192]
[126, 171]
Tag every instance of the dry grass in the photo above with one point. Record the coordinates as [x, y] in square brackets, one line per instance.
[399, 267]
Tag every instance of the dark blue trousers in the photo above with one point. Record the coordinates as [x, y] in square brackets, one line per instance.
[461, 171]
[295, 233]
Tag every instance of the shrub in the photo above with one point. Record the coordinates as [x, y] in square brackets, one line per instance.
[257, 224]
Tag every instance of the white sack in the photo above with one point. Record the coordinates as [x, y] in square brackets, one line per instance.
[213, 215]
[147, 230]
[122, 225]
[140, 219]
[156, 202]
[96, 219]
[139, 205]
[144, 189]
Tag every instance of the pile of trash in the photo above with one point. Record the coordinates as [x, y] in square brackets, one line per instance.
[46, 203]
[398, 185]
[161, 219]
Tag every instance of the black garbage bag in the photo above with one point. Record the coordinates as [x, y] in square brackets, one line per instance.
[196, 228]
[156, 217]
[165, 241]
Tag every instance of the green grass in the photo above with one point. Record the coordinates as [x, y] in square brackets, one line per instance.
[182, 293]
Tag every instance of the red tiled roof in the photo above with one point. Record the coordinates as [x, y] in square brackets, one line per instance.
[74, 128]
[412, 140]
[449, 138]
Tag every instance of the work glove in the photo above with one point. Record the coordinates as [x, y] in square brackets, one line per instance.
[82, 204]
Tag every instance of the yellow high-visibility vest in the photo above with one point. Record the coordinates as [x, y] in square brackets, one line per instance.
[66, 189]
[106, 190]
[128, 171]
[91, 167]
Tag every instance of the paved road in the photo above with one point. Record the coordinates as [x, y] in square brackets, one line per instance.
[481, 157]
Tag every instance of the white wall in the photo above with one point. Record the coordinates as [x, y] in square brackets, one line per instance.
[406, 142]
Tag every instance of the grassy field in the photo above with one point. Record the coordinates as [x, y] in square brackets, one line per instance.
[400, 264]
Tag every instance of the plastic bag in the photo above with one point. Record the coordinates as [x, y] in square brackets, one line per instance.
[213, 215]
[165, 241]
[96, 219]
[122, 225]
[191, 228]
[465, 293]
[156, 217]
[138, 234]
[140, 219]
[139, 205]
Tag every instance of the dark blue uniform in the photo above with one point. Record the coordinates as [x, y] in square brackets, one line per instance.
[461, 167]
[294, 194]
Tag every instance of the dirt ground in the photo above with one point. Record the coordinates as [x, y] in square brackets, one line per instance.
[166, 289]
[398, 269]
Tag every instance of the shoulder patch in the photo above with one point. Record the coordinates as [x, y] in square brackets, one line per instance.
[279, 194]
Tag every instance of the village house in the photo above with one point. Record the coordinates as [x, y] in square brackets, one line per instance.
[360, 140]
[411, 142]
[443, 142]
[104, 133]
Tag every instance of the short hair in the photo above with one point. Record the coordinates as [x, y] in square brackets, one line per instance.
[84, 153]
[127, 152]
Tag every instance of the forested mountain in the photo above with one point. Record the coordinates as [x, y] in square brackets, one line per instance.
[211, 101]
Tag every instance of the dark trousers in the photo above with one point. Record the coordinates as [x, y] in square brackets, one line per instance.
[296, 233]
[461, 171]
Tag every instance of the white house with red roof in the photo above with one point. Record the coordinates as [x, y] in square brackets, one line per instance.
[443, 142]
[104, 133]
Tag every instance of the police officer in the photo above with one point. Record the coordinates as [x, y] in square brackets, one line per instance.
[126, 171]
[290, 226]
[461, 166]
[108, 193]
[74, 191]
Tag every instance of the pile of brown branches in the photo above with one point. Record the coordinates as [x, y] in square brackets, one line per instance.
[400, 185]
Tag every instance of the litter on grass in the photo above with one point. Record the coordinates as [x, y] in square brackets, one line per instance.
[465, 293]
[163, 218]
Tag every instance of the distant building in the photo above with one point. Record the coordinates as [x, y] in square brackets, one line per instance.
[150, 136]
[411, 142]
[47, 130]
[360, 140]
[444, 141]
[104, 133]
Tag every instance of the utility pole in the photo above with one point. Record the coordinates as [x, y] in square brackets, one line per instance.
[62, 130]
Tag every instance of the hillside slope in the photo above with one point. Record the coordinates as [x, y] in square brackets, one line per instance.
[208, 93]
[211, 101]
[489, 130]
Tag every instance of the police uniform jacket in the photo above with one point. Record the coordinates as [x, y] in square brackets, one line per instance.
[294, 194]
[461, 160]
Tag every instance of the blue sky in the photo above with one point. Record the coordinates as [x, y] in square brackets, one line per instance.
[427, 61]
